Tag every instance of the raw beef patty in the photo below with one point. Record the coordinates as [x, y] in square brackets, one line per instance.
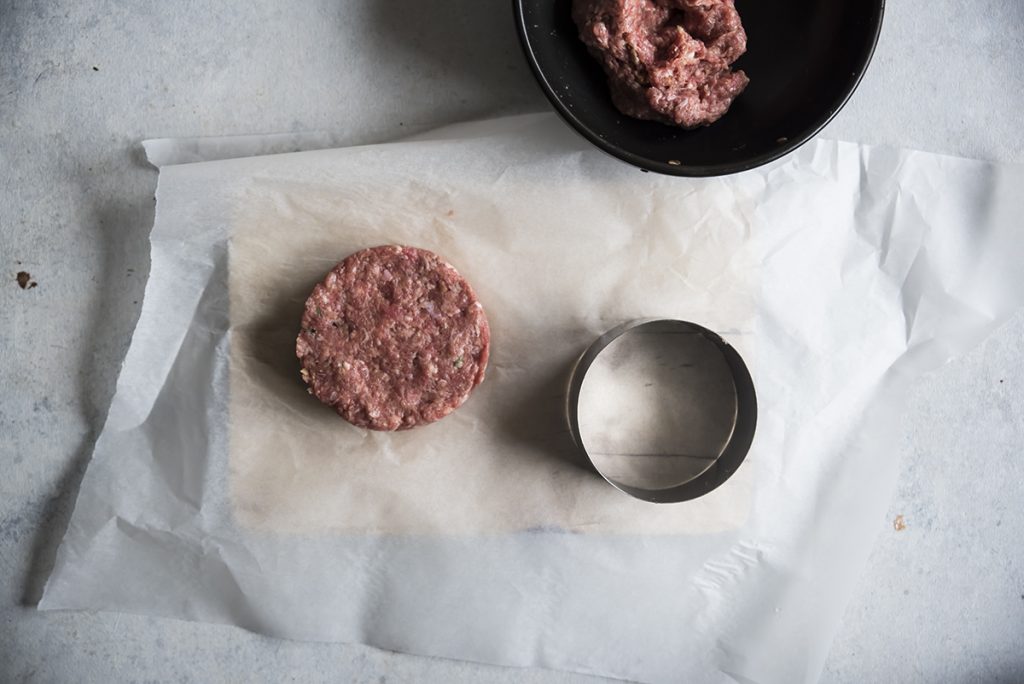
[393, 338]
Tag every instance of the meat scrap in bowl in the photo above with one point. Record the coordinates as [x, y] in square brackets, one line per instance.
[666, 60]
[393, 338]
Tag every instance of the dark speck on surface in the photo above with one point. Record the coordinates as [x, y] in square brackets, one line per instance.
[25, 281]
[95, 68]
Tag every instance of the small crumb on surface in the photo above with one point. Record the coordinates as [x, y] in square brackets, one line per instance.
[95, 68]
[899, 524]
[675, 162]
[25, 281]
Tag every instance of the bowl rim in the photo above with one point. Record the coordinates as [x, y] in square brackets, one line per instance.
[687, 170]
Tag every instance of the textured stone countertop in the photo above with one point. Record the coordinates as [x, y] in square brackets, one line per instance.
[942, 597]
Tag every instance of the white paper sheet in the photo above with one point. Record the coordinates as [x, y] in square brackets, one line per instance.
[219, 492]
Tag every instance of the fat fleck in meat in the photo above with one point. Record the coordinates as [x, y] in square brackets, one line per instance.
[666, 60]
[393, 338]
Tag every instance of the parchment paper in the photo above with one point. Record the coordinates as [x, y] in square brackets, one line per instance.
[219, 491]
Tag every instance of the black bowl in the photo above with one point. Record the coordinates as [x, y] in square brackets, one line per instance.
[804, 59]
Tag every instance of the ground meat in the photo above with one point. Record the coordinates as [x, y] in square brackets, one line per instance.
[666, 60]
[393, 338]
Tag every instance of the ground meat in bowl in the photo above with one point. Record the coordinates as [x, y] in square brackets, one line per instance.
[393, 338]
[666, 60]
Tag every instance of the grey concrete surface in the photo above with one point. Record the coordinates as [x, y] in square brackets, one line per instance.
[81, 82]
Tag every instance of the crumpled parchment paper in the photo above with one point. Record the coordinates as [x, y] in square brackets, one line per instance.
[220, 491]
